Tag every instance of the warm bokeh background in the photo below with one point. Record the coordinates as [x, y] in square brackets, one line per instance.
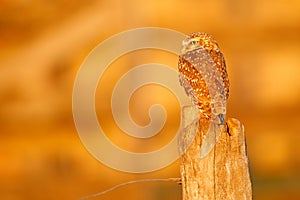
[43, 43]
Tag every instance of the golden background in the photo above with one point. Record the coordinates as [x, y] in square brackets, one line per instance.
[43, 43]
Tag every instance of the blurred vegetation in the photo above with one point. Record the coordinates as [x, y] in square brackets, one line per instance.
[43, 44]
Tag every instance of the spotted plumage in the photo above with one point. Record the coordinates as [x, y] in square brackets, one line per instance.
[198, 51]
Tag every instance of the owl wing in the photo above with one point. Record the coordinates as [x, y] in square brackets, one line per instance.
[210, 78]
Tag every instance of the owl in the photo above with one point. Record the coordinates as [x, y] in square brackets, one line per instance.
[200, 50]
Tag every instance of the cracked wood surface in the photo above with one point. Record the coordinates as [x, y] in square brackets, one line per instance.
[223, 173]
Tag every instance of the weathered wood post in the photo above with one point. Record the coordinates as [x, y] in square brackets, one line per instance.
[224, 173]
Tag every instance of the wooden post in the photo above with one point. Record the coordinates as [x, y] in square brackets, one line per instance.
[223, 174]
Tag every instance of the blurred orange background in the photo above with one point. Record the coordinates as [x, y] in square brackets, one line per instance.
[43, 44]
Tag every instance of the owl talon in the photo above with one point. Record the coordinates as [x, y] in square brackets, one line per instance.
[222, 120]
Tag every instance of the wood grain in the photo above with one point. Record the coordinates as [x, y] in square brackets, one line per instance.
[224, 173]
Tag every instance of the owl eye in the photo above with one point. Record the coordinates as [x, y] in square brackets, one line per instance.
[193, 42]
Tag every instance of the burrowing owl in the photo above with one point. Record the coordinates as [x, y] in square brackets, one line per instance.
[201, 49]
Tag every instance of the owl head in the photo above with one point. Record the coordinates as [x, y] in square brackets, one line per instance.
[199, 40]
